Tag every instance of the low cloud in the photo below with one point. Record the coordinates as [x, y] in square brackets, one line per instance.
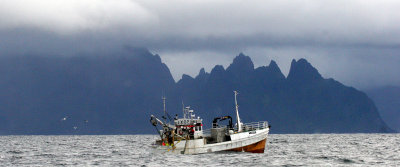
[66, 17]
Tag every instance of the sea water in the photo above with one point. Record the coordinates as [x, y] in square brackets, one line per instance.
[137, 150]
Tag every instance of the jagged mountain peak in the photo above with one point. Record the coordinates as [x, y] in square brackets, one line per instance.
[218, 68]
[274, 67]
[202, 72]
[303, 70]
[272, 71]
[186, 77]
[241, 63]
[272, 63]
[217, 72]
[202, 75]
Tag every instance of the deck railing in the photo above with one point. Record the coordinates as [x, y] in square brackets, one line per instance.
[245, 127]
[253, 126]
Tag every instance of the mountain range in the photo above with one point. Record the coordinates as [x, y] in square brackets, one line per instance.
[116, 94]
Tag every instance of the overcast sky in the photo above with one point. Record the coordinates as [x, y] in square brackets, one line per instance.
[355, 42]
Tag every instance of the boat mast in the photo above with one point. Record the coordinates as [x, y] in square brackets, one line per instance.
[239, 124]
[183, 110]
[165, 112]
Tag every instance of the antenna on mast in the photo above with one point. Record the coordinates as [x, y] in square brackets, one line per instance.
[239, 124]
[165, 111]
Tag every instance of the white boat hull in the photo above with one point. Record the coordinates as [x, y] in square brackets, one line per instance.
[251, 141]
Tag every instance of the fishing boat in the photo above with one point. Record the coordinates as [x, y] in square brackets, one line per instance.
[186, 135]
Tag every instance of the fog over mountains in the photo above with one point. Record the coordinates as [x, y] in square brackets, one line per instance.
[116, 94]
